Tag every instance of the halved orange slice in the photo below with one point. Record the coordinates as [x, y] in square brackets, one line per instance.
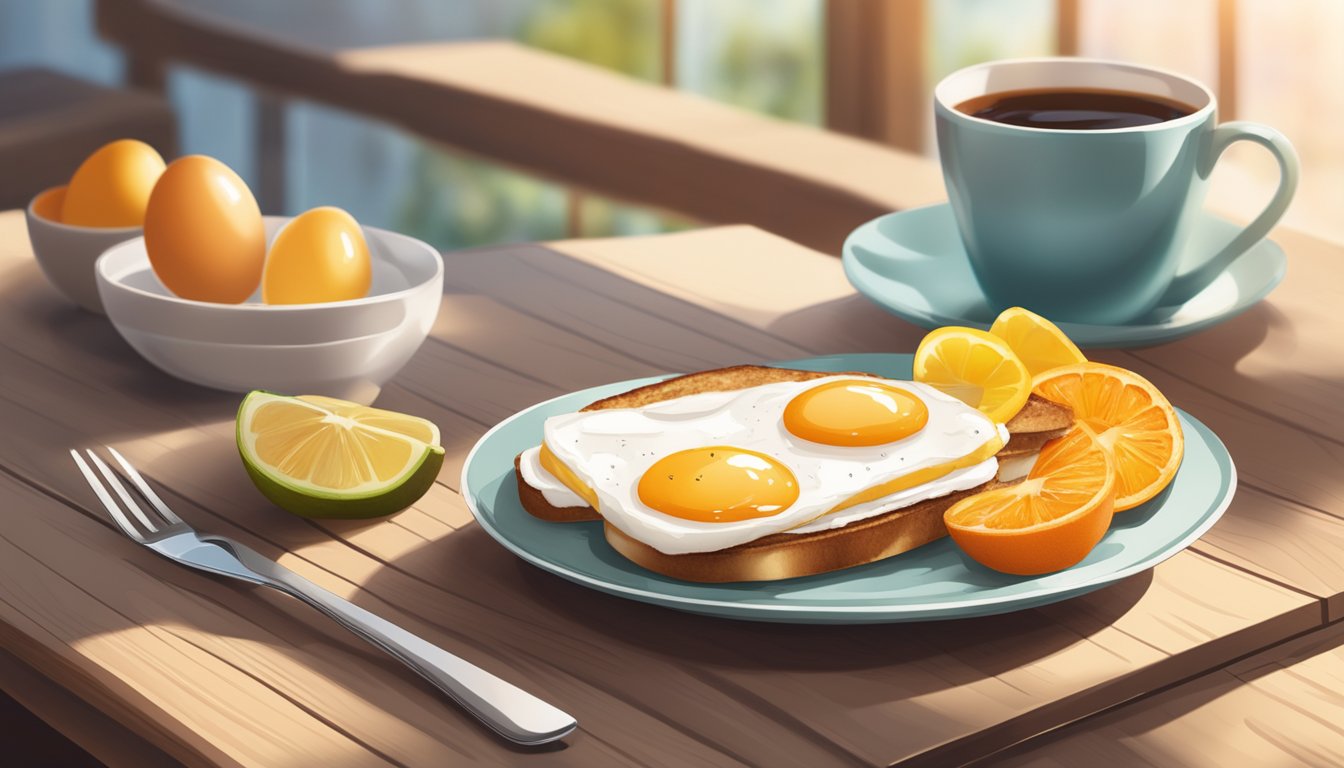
[1047, 522]
[975, 367]
[1132, 420]
[1038, 343]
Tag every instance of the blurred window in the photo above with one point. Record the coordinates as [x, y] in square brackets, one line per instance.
[764, 55]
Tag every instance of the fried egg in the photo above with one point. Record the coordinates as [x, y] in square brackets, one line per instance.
[714, 470]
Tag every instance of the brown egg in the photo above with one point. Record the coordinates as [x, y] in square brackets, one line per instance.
[320, 255]
[111, 187]
[203, 232]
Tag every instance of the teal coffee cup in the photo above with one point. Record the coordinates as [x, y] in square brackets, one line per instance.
[1086, 224]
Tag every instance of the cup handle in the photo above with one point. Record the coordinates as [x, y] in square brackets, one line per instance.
[1186, 285]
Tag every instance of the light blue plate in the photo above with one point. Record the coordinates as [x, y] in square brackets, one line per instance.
[912, 264]
[933, 582]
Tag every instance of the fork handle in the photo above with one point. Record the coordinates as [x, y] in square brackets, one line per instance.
[514, 713]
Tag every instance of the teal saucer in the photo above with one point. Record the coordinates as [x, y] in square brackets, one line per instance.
[912, 264]
[935, 581]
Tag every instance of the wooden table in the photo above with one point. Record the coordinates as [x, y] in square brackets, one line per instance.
[143, 663]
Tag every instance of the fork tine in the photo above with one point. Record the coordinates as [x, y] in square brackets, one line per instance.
[143, 486]
[119, 517]
[114, 481]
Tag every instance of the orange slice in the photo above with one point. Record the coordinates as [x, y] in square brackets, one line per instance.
[1047, 522]
[1038, 343]
[976, 368]
[1132, 420]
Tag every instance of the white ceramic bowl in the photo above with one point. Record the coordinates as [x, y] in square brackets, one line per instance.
[66, 253]
[345, 349]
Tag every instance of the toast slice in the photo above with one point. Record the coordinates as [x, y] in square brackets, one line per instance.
[788, 555]
[1039, 422]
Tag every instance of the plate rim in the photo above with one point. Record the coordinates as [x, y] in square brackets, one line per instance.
[745, 609]
[867, 283]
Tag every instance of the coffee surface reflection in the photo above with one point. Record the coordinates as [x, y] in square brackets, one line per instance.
[1074, 109]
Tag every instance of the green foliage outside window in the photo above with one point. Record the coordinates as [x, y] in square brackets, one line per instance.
[763, 55]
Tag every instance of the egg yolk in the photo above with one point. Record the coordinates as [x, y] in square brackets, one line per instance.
[718, 484]
[855, 413]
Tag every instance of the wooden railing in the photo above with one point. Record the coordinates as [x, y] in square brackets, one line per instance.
[600, 132]
[560, 119]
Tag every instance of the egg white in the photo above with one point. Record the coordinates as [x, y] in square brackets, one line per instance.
[610, 450]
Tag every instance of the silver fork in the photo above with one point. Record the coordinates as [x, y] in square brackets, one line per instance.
[514, 713]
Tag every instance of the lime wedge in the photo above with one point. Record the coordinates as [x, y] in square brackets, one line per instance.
[322, 457]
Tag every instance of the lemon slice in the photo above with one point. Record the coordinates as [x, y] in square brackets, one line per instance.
[975, 367]
[1038, 342]
[322, 457]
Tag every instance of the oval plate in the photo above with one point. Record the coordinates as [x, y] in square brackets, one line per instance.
[935, 581]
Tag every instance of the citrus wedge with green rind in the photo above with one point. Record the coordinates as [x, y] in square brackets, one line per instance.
[321, 457]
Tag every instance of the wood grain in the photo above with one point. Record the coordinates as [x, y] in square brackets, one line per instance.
[30, 739]
[1282, 358]
[1280, 707]
[658, 146]
[244, 677]
[90, 610]
[1283, 542]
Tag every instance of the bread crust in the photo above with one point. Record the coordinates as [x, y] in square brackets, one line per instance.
[534, 501]
[717, 380]
[790, 555]
[1032, 442]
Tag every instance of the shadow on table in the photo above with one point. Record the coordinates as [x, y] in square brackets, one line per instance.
[1108, 733]
[1213, 359]
[847, 324]
[1223, 345]
[989, 645]
[89, 340]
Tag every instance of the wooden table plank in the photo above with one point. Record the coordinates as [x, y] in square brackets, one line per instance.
[170, 456]
[1280, 359]
[653, 687]
[1074, 649]
[811, 694]
[330, 676]
[51, 602]
[1283, 542]
[1280, 707]
[64, 716]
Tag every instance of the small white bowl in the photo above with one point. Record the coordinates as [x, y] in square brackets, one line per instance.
[345, 349]
[66, 253]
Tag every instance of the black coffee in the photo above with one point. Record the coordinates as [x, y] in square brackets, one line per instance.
[1074, 109]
